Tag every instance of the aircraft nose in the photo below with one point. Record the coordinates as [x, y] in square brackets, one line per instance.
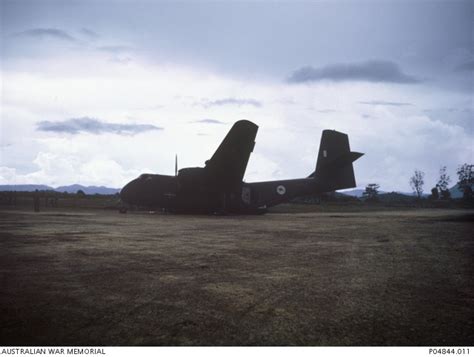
[126, 193]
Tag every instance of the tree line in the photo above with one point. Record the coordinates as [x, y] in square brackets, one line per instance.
[465, 182]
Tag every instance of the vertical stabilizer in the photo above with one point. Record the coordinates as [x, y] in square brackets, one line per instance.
[334, 166]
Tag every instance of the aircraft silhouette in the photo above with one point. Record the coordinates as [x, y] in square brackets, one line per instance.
[218, 187]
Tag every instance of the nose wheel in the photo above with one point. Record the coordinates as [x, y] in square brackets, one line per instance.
[122, 207]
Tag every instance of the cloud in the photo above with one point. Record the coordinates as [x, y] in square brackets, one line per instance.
[452, 116]
[370, 71]
[326, 111]
[94, 126]
[449, 110]
[41, 33]
[114, 49]
[232, 101]
[118, 53]
[93, 170]
[89, 33]
[465, 67]
[382, 102]
[209, 121]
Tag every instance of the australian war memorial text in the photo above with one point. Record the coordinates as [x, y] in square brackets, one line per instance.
[23, 351]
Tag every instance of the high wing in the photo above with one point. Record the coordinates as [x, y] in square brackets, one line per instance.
[226, 168]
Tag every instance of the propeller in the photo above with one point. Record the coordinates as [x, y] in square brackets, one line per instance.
[176, 165]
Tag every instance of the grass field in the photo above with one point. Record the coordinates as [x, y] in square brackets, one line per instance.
[96, 277]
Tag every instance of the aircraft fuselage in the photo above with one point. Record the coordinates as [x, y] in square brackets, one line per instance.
[177, 194]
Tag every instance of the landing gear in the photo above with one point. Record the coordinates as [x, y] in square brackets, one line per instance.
[123, 210]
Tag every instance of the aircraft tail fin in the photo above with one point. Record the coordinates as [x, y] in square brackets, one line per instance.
[334, 166]
[227, 165]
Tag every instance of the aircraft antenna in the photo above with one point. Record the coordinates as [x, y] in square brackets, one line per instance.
[176, 165]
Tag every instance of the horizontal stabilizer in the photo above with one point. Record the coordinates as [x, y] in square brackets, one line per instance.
[342, 160]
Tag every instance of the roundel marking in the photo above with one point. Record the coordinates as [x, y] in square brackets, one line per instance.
[281, 190]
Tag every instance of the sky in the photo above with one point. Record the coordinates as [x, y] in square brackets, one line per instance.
[98, 92]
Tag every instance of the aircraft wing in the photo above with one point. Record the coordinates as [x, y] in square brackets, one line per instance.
[226, 168]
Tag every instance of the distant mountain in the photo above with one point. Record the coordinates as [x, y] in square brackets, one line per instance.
[456, 192]
[359, 192]
[356, 192]
[88, 190]
[25, 188]
[396, 197]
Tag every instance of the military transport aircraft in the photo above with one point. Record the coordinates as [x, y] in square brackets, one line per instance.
[218, 187]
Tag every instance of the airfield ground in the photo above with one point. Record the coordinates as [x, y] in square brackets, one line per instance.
[96, 277]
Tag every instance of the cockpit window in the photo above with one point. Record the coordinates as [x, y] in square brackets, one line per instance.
[144, 177]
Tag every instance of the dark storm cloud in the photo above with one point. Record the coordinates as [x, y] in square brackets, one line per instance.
[40, 33]
[93, 126]
[231, 101]
[382, 102]
[466, 67]
[208, 121]
[370, 71]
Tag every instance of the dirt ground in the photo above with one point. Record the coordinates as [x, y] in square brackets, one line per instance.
[322, 279]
